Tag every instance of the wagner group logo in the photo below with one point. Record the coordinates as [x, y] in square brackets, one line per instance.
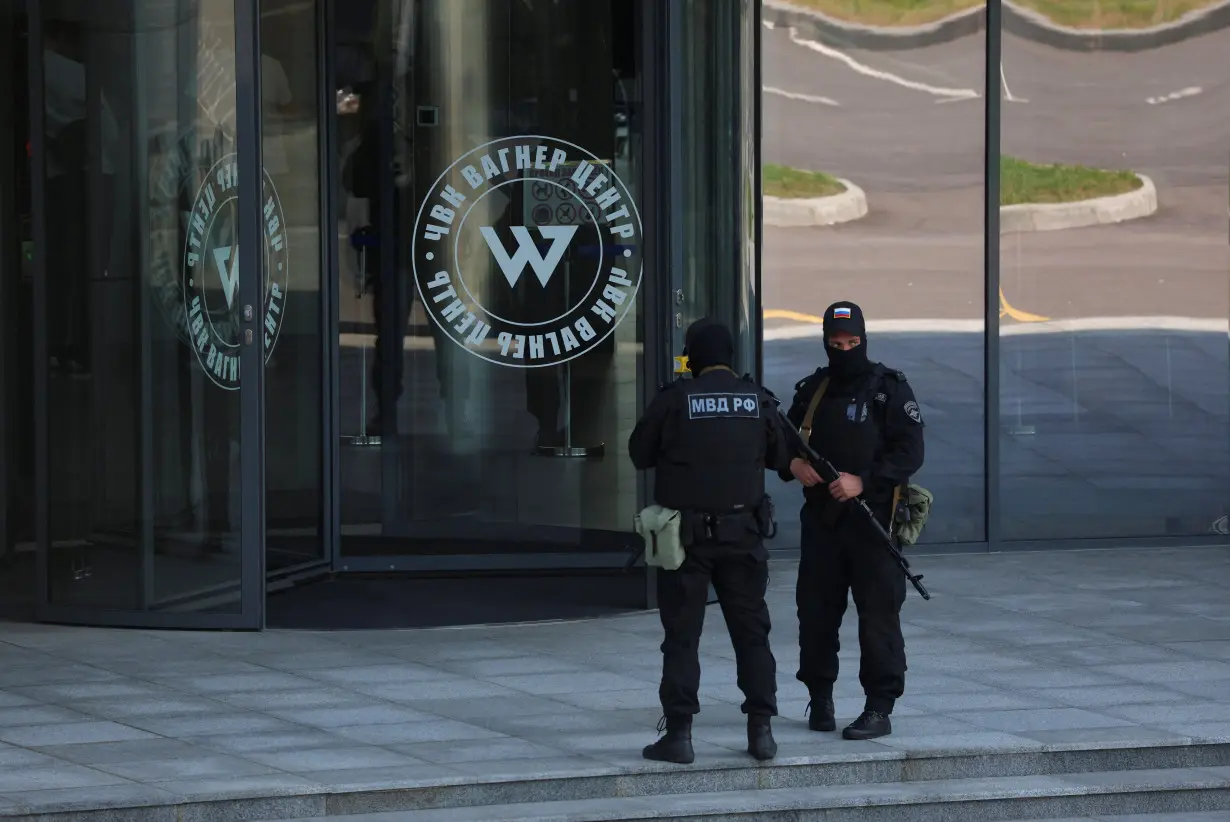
[210, 273]
[527, 251]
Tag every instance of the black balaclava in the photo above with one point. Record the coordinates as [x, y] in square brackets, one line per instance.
[706, 344]
[848, 317]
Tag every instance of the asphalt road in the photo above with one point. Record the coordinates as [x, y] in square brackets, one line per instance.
[908, 128]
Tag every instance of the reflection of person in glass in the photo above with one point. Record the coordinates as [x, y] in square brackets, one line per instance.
[70, 253]
[864, 419]
[364, 178]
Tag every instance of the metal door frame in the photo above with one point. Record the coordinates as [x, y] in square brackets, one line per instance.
[10, 255]
[252, 457]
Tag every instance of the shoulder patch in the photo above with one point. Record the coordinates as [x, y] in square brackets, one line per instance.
[912, 411]
[723, 405]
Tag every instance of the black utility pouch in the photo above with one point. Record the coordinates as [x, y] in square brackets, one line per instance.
[766, 517]
[733, 528]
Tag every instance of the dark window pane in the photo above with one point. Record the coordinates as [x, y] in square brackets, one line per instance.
[17, 566]
[141, 190]
[294, 401]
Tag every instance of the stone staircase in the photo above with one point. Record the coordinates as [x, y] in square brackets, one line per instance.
[1046, 783]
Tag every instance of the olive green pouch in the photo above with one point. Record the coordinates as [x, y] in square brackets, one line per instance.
[911, 510]
[659, 527]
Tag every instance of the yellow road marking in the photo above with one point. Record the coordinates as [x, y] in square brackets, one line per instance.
[1005, 310]
[1015, 313]
[783, 314]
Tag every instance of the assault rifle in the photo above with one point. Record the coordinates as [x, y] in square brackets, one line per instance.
[828, 473]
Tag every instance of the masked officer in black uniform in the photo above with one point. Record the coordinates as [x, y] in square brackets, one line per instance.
[710, 440]
[866, 422]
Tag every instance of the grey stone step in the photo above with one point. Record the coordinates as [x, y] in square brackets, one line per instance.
[1180, 816]
[888, 770]
[957, 800]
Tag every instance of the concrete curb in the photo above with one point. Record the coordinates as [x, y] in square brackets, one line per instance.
[1017, 20]
[1100, 211]
[1028, 24]
[832, 32]
[793, 212]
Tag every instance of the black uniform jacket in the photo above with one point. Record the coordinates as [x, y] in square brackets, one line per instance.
[709, 441]
[871, 427]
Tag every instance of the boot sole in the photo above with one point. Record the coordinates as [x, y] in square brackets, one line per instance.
[856, 735]
[823, 727]
[674, 761]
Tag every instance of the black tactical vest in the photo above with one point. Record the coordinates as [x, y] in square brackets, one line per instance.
[714, 445]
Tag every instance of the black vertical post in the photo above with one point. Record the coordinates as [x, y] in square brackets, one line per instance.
[142, 296]
[657, 277]
[757, 195]
[38, 180]
[330, 289]
[991, 373]
[10, 261]
[251, 291]
[388, 319]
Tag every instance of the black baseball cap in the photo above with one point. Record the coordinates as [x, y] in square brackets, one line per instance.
[844, 316]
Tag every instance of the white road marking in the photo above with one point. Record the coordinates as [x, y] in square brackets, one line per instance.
[1003, 78]
[797, 95]
[1190, 91]
[931, 326]
[868, 71]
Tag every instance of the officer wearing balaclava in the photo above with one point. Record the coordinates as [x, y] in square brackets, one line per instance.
[864, 419]
[709, 440]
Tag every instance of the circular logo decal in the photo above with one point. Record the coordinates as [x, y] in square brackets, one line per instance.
[527, 251]
[210, 280]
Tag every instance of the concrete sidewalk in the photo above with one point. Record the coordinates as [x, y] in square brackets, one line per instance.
[1020, 652]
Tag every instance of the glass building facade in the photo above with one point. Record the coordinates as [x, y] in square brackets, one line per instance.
[477, 230]
[1071, 361]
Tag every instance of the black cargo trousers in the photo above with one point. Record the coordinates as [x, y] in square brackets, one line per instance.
[835, 559]
[739, 571]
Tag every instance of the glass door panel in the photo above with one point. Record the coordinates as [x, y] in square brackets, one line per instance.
[147, 416]
[17, 554]
[294, 305]
[490, 159]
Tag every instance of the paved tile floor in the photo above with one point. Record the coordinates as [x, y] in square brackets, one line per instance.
[1013, 650]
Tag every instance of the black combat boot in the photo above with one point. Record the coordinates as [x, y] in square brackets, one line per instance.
[821, 714]
[676, 746]
[869, 725]
[760, 742]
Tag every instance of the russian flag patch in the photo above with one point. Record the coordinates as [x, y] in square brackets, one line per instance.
[841, 313]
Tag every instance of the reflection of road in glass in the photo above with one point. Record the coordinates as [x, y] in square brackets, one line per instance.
[1112, 329]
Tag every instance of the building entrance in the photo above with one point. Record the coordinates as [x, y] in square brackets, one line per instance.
[297, 293]
[490, 168]
[171, 258]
